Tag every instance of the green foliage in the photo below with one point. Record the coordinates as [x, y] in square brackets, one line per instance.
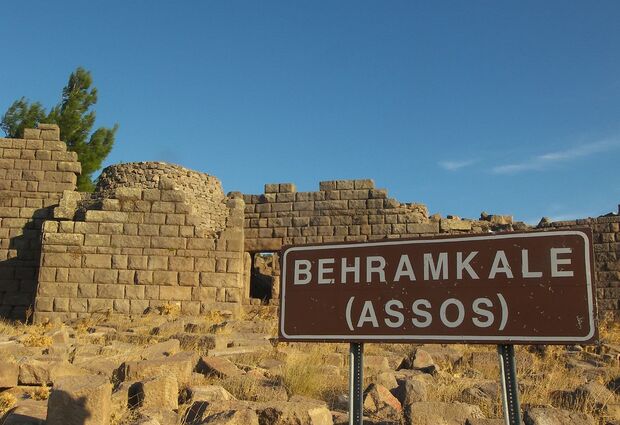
[20, 115]
[75, 119]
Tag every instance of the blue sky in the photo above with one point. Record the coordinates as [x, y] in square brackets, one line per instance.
[506, 107]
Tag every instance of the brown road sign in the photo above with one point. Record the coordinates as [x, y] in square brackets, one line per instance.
[531, 288]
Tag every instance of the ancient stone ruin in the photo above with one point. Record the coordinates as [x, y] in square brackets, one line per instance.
[155, 234]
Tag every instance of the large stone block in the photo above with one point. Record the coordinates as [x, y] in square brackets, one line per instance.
[107, 216]
[180, 365]
[40, 372]
[8, 374]
[453, 224]
[175, 293]
[83, 400]
[159, 392]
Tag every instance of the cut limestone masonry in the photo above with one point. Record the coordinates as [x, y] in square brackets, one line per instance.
[34, 172]
[156, 234]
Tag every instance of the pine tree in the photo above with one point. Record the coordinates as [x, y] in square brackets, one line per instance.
[74, 117]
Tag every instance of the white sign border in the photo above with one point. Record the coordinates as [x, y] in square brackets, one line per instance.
[507, 339]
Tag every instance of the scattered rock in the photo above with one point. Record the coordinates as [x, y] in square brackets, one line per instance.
[412, 390]
[614, 385]
[293, 413]
[60, 336]
[218, 366]
[379, 401]
[161, 350]
[435, 413]
[27, 412]
[387, 379]
[160, 392]
[9, 372]
[209, 393]
[553, 416]
[419, 360]
[594, 394]
[375, 364]
[83, 400]
[180, 365]
[485, 422]
[232, 417]
[38, 372]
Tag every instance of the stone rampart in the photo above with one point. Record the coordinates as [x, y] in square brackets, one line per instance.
[606, 231]
[139, 249]
[344, 210]
[34, 172]
[356, 211]
[201, 190]
[155, 234]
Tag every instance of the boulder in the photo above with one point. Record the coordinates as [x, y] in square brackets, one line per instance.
[27, 412]
[419, 360]
[375, 364]
[161, 350]
[553, 416]
[209, 393]
[412, 390]
[60, 336]
[218, 366]
[120, 397]
[481, 393]
[16, 350]
[387, 379]
[169, 328]
[161, 416]
[9, 372]
[83, 400]
[482, 360]
[99, 366]
[485, 422]
[274, 366]
[241, 416]
[278, 413]
[159, 392]
[41, 372]
[594, 394]
[379, 402]
[436, 413]
[180, 365]
[443, 355]
[614, 385]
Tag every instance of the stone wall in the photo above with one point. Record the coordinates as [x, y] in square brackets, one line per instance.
[345, 210]
[138, 249]
[155, 233]
[34, 172]
[356, 211]
[606, 231]
[201, 190]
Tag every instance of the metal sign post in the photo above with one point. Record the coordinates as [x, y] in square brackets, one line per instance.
[356, 380]
[510, 389]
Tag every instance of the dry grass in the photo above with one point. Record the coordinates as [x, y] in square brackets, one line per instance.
[38, 393]
[7, 401]
[35, 336]
[169, 309]
[124, 416]
[302, 375]
[609, 330]
[10, 328]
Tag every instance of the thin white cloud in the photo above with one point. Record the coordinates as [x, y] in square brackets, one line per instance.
[541, 162]
[455, 165]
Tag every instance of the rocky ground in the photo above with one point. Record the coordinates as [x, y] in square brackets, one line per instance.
[164, 369]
